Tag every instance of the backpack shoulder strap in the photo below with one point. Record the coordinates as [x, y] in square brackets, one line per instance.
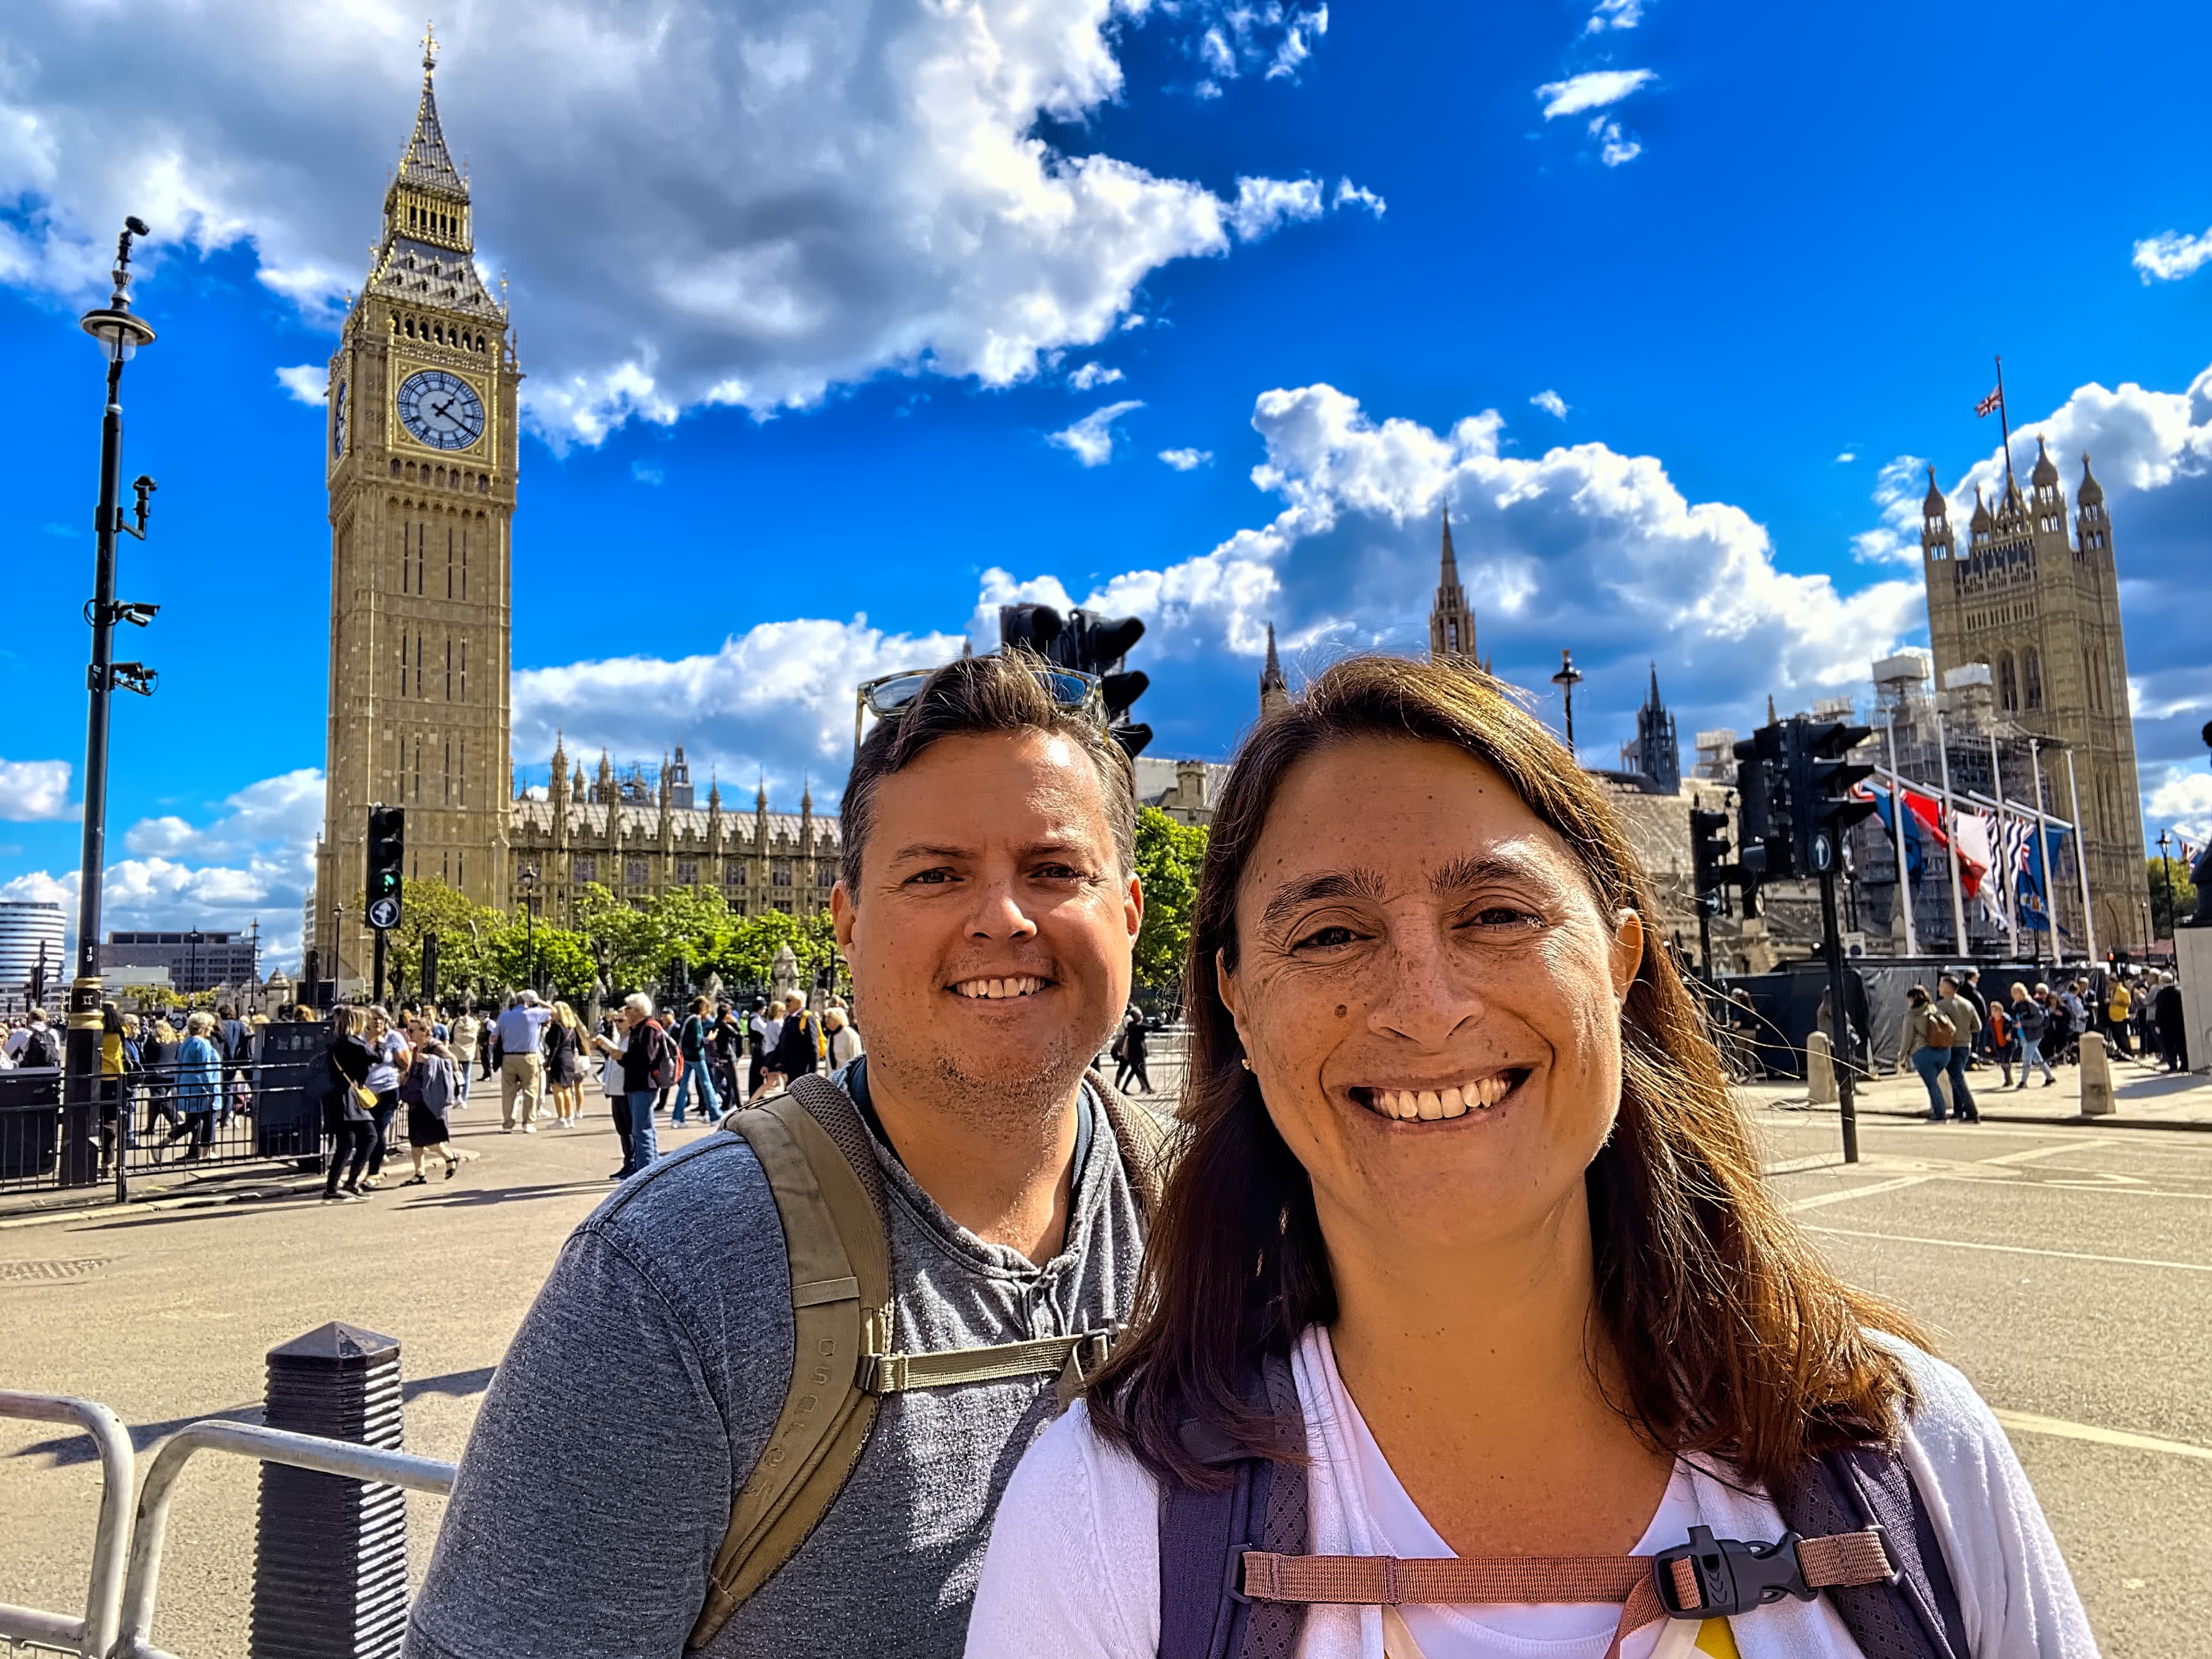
[829, 1195]
[1915, 1616]
[1143, 1141]
[1205, 1535]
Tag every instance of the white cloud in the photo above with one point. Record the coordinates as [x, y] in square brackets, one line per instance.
[1090, 440]
[1614, 15]
[645, 473]
[1551, 403]
[1351, 195]
[1261, 204]
[840, 188]
[308, 383]
[251, 861]
[1846, 457]
[2182, 805]
[1595, 89]
[1898, 492]
[1089, 375]
[1182, 460]
[2169, 256]
[775, 701]
[1230, 38]
[33, 790]
[1616, 149]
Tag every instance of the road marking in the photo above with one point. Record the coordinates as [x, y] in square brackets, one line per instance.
[2015, 1250]
[2028, 1423]
[1817, 1161]
[1819, 1201]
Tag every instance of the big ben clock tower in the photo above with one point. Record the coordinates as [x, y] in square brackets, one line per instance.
[421, 455]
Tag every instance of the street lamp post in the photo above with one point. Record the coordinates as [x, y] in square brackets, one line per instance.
[2165, 883]
[193, 963]
[119, 335]
[1566, 679]
[527, 879]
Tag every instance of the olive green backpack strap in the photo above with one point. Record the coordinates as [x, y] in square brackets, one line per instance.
[829, 1193]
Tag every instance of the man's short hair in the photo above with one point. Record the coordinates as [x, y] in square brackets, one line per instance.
[970, 696]
[1951, 979]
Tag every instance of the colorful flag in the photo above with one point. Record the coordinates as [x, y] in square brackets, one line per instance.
[1990, 405]
[1970, 834]
[1929, 815]
[1916, 860]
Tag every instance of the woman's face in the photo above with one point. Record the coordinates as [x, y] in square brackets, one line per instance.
[1429, 994]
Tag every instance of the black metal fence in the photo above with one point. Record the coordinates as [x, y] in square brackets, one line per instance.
[169, 1115]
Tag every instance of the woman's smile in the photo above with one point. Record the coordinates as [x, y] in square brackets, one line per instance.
[1480, 1094]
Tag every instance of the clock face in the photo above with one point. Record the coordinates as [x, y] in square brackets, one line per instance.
[440, 410]
[338, 420]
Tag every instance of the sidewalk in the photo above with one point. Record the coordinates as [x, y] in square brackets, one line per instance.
[2147, 1099]
[167, 1189]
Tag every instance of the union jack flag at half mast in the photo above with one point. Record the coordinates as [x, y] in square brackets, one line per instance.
[1990, 405]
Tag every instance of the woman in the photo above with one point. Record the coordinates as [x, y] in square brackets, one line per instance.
[566, 1065]
[114, 1090]
[388, 1055]
[1921, 1052]
[1468, 1237]
[2030, 1025]
[844, 1040]
[427, 1091]
[610, 1044]
[724, 1050]
[348, 1104]
[198, 1083]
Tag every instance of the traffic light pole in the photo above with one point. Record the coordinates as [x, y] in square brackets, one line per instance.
[1839, 1020]
[379, 995]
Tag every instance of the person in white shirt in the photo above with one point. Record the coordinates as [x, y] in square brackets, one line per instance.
[1464, 1192]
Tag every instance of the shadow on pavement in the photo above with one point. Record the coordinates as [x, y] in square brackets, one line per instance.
[66, 1450]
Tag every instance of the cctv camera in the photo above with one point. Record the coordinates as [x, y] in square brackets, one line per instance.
[137, 226]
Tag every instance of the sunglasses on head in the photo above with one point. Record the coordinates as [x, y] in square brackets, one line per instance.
[892, 694]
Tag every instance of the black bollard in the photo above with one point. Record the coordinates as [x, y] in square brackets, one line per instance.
[329, 1571]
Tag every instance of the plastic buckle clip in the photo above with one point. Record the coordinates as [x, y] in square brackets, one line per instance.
[1733, 1576]
[1234, 1588]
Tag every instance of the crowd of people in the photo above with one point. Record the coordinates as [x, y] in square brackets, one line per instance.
[1461, 1249]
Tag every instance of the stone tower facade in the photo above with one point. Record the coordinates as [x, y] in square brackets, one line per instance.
[421, 454]
[1451, 619]
[2041, 608]
[1658, 753]
[1274, 690]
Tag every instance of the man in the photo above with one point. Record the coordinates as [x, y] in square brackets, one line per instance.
[762, 1030]
[2167, 1019]
[645, 1047]
[1954, 1007]
[2118, 1002]
[798, 1053]
[34, 1042]
[1985, 1043]
[2072, 1002]
[988, 906]
[521, 1031]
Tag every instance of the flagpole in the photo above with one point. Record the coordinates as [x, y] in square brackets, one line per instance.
[2004, 420]
[2041, 862]
[2082, 860]
[2005, 885]
[1958, 898]
[1897, 812]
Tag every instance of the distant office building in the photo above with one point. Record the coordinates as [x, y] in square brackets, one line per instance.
[196, 961]
[25, 925]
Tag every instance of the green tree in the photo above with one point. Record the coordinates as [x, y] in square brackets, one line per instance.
[624, 941]
[561, 956]
[1169, 856]
[461, 926]
[2172, 894]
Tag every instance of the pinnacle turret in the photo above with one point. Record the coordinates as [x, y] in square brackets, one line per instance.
[1451, 619]
[1274, 690]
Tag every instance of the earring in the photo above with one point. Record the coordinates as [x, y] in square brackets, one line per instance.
[1245, 1064]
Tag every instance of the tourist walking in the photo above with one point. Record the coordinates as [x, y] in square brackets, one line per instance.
[726, 1054]
[462, 1041]
[1926, 1045]
[427, 1091]
[114, 1092]
[1960, 1013]
[799, 1044]
[647, 1054]
[2004, 1041]
[691, 1043]
[521, 1033]
[348, 1105]
[2166, 1010]
[762, 1031]
[2118, 1004]
[2031, 1026]
[35, 1043]
[843, 1037]
[565, 1064]
[1129, 1053]
[198, 1077]
[1469, 1253]
[609, 1044]
[388, 1057]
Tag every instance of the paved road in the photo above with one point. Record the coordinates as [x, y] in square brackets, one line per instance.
[2067, 1269]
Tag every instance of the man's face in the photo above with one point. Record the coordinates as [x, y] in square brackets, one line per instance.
[990, 940]
[632, 1018]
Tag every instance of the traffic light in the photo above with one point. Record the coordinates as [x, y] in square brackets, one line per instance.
[1763, 838]
[387, 848]
[1708, 846]
[1090, 644]
[1821, 778]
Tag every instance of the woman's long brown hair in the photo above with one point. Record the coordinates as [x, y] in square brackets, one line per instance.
[1733, 1338]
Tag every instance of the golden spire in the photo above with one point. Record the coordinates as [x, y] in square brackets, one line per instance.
[429, 47]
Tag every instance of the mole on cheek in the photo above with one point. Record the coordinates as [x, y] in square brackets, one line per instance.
[1340, 1010]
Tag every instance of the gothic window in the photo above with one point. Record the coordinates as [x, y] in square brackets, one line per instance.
[588, 869]
[395, 467]
[780, 874]
[449, 668]
[418, 766]
[825, 875]
[421, 535]
[461, 777]
[418, 665]
[634, 873]
[2007, 684]
[2031, 677]
[784, 905]
[449, 771]
[464, 668]
[733, 873]
[465, 561]
[687, 873]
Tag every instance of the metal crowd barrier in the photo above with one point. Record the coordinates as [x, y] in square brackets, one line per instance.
[126, 1565]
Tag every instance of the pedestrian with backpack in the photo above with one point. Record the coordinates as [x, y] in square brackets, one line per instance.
[1471, 1324]
[691, 1043]
[649, 1063]
[811, 1347]
[1965, 1018]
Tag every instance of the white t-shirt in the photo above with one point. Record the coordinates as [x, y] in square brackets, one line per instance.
[1073, 1565]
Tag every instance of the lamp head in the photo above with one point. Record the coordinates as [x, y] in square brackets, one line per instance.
[117, 331]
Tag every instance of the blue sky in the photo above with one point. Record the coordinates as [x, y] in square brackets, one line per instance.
[845, 321]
